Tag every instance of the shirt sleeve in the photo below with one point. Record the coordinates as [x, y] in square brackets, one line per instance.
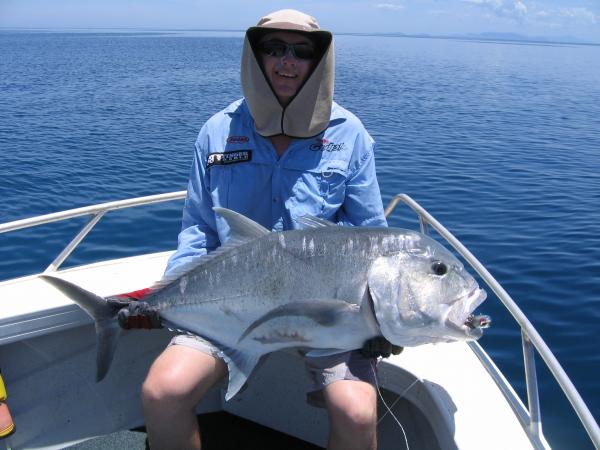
[362, 204]
[198, 234]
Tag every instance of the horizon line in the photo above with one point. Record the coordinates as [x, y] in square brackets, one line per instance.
[480, 36]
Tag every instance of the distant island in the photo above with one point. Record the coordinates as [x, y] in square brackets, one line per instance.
[519, 37]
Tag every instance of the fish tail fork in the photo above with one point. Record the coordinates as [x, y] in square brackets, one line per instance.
[104, 315]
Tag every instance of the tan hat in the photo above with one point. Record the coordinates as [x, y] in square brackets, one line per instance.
[291, 20]
[309, 111]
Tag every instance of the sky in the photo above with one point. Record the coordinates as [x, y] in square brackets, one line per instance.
[537, 18]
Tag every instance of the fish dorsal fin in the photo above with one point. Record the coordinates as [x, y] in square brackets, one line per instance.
[194, 263]
[314, 222]
[242, 228]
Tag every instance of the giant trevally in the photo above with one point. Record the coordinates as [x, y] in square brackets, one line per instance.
[325, 288]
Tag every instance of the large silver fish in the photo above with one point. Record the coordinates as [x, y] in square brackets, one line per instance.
[325, 287]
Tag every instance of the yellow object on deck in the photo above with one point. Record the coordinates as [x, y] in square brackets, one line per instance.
[2, 389]
[7, 426]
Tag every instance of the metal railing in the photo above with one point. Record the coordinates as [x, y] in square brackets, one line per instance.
[530, 419]
[96, 211]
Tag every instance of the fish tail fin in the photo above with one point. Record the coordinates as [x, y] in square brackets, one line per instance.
[104, 315]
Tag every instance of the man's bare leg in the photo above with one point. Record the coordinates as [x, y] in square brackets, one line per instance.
[176, 382]
[352, 408]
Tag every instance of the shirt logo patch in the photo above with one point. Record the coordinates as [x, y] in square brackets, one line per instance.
[237, 139]
[225, 158]
[324, 145]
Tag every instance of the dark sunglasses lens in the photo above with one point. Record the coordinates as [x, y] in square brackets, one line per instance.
[304, 51]
[271, 48]
[278, 49]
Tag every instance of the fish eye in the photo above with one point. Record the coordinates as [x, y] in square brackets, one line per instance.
[439, 268]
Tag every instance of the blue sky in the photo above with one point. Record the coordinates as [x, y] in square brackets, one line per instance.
[550, 18]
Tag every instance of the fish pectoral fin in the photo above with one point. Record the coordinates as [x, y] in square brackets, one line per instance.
[325, 313]
[240, 365]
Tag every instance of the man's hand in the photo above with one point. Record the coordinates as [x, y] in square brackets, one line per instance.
[132, 312]
[139, 315]
[380, 346]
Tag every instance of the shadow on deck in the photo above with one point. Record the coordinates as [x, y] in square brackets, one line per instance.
[220, 431]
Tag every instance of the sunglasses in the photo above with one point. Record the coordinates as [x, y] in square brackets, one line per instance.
[280, 48]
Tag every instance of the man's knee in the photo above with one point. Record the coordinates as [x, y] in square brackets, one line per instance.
[352, 410]
[361, 419]
[181, 376]
[173, 386]
[352, 405]
[164, 386]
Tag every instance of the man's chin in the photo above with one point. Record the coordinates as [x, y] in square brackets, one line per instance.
[285, 97]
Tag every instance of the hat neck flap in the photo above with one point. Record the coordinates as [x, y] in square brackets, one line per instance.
[308, 113]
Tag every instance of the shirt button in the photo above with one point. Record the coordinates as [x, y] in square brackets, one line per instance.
[274, 199]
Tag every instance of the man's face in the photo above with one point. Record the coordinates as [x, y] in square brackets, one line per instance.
[286, 69]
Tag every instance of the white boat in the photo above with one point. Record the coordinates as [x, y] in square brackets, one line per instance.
[447, 396]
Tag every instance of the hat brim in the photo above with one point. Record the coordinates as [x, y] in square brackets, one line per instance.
[321, 38]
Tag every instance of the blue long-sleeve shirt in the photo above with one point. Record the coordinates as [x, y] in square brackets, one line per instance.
[331, 176]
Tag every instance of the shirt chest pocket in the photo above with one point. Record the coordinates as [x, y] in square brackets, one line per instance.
[220, 180]
[241, 186]
[323, 185]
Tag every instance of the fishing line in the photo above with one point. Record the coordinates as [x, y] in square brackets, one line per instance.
[398, 399]
[389, 410]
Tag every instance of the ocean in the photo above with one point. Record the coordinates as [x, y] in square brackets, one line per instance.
[500, 141]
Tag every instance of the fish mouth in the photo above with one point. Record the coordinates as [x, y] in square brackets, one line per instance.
[472, 299]
[466, 322]
[476, 296]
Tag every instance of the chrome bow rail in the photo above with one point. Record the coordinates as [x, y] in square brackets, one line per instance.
[96, 211]
[530, 418]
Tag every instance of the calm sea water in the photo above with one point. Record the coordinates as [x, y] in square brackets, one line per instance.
[500, 141]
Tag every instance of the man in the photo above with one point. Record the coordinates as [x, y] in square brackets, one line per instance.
[284, 151]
